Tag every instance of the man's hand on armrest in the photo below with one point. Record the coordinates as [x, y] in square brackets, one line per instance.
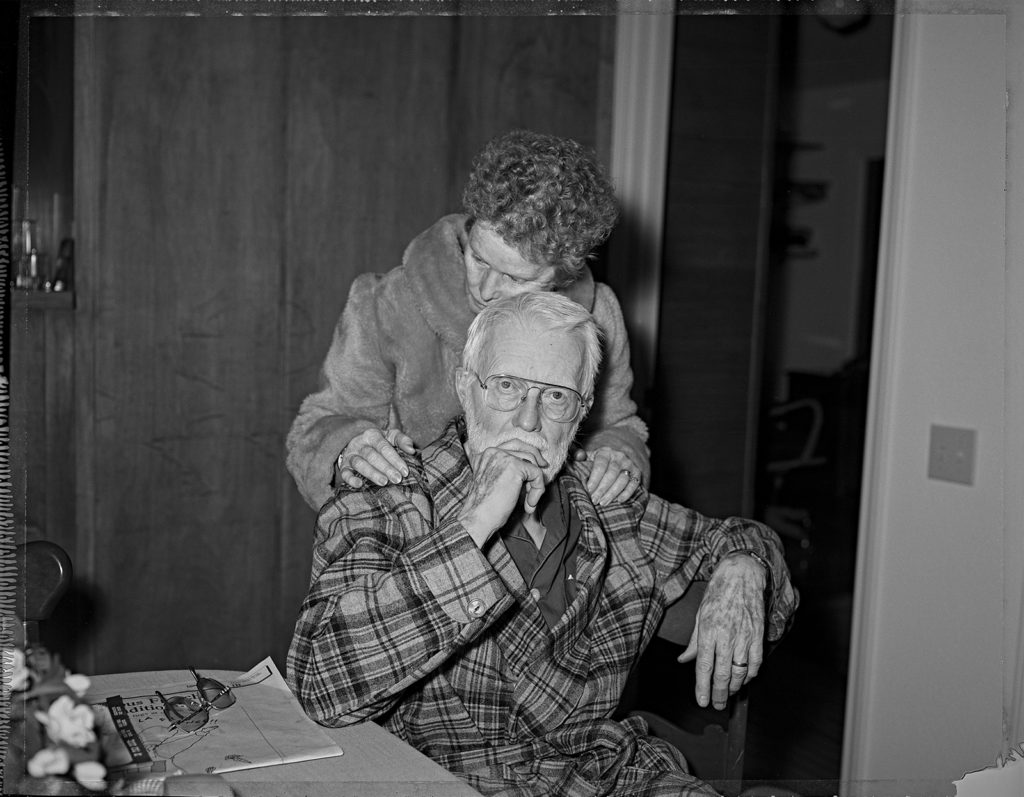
[728, 640]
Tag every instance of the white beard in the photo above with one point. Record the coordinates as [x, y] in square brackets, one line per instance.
[477, 440]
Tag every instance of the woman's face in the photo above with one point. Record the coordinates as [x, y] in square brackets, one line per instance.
[495, 270]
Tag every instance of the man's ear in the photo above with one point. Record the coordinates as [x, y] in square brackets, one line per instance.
[588, 404]
[462, 377]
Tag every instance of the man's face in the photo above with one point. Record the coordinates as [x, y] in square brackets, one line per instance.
[495, 270]
[544, 356]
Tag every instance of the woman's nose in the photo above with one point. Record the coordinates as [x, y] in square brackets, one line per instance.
[489, 287]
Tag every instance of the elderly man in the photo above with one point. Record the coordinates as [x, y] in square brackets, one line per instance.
[486, 611]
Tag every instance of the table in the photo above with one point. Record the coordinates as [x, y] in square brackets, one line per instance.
[375, 762]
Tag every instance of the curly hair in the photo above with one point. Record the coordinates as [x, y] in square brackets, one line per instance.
[548, 197]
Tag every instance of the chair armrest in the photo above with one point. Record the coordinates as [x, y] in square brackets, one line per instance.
[680, 617]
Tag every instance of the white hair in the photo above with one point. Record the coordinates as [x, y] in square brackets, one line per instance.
[553, 313]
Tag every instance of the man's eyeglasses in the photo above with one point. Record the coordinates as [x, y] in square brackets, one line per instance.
[192, 713]
[505, 393]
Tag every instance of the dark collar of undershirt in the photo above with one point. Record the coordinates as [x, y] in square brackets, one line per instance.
[549, 571]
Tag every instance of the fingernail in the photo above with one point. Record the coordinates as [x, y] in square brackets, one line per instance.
[395, 475]
[381, 481]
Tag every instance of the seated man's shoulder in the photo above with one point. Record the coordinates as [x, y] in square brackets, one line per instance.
[384, 510]
[577, 470]
[445, 458]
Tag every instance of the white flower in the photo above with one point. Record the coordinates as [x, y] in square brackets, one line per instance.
[79, 684]
[91, 774]
[14, 663]
[67, 721]
[49, 761]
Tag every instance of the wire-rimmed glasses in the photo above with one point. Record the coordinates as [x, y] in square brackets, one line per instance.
[504, 392]
[192, 712]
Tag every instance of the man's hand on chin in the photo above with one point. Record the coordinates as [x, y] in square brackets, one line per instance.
[500, 476]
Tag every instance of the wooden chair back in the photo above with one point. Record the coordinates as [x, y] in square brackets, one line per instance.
[44, 575]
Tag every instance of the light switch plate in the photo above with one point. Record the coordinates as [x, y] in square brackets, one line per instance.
[951, 454]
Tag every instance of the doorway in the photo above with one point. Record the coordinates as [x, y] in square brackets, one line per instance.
[758, 400]
[819, 298]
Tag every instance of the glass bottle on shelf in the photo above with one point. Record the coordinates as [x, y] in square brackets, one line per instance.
[30, 266]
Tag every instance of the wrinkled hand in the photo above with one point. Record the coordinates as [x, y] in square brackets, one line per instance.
[613, 475]
[729, 630]
[500, 475]
[373, 455]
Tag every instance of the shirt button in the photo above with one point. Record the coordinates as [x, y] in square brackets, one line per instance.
[476, 608]
[535, 594]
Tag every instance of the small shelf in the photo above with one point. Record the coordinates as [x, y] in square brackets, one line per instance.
[43, 300]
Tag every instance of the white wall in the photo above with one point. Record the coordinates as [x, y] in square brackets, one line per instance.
[1013, 569]
[926, 697]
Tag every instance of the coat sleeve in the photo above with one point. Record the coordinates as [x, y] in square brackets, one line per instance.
[390, 600]
[356, 385]
[613, 422]
[687, 546]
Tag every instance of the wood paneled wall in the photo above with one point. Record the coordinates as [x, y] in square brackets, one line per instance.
[42, 394]
[706, 386]
[232, 176]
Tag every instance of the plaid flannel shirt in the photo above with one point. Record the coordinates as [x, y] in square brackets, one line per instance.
[409, 623]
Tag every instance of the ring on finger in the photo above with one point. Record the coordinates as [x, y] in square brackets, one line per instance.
[740, 665]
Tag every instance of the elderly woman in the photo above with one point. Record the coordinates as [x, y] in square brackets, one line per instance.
[536, 206]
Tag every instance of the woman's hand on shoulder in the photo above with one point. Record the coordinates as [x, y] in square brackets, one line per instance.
[373, 456]
[614, 477]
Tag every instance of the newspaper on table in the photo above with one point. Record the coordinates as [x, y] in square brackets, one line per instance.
[265, 725]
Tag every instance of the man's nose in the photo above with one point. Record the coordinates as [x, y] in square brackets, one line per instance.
[527, 415]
